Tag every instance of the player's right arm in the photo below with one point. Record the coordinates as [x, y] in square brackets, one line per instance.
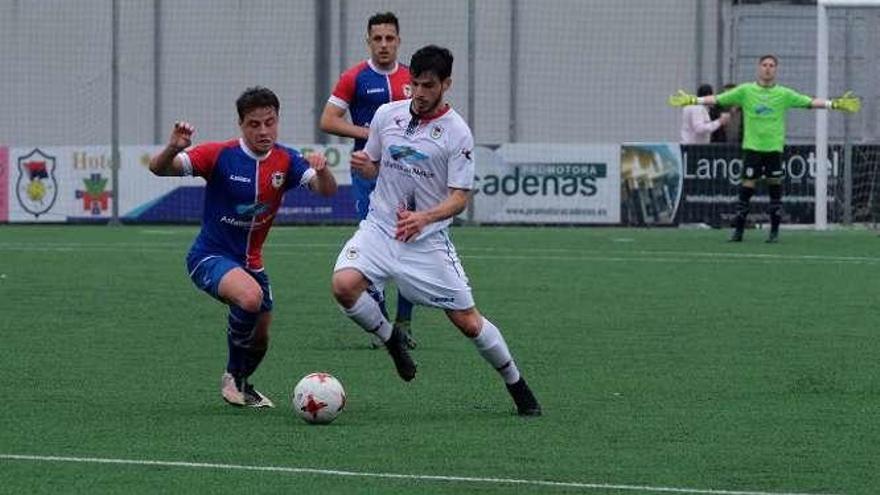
[167, 162]
[364, 165]
[683, 99]
[333, 118]
[333, 121]
[366, 161]
[728, 98]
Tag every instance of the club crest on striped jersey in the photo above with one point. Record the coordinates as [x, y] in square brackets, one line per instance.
[277, 179]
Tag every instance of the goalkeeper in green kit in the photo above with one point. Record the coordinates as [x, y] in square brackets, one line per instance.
[764, 104]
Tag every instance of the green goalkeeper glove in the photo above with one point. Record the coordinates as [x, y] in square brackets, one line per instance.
[849, 103]
[681, 99]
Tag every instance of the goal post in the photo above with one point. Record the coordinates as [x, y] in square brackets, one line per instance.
[822, 7]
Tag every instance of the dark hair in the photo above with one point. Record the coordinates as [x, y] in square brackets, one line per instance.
[383, 18]
[772, 57]
[256, 97]
[705, 90]
[431, 58]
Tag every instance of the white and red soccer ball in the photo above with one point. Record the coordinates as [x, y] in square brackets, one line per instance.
[318, 398]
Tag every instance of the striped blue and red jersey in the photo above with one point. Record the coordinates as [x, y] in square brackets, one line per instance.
[363, 88]
[242, 196]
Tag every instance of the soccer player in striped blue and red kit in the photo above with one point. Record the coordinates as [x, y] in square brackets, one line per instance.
[246, 181]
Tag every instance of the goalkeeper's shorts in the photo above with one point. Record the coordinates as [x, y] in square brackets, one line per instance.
[759, 164]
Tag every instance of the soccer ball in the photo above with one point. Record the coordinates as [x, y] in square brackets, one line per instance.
[318, 398]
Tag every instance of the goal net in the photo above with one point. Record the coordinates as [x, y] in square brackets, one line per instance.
[847, 57]
[859, 199]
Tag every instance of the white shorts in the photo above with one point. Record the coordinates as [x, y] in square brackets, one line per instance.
[426, 271]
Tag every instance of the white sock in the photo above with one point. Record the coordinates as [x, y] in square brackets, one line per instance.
[367, 315]
[491, 345]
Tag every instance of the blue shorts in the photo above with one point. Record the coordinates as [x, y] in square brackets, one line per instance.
[362, 188]
[206, 271]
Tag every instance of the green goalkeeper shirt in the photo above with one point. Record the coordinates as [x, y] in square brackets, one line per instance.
[764, 110]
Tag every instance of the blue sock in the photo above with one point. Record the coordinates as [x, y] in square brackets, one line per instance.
[252, 359]
[243, 358]
[404, 308]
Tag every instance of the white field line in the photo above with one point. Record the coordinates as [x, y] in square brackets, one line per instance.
[667, 259]
[167, 232]
[518, 253]
[394, 476]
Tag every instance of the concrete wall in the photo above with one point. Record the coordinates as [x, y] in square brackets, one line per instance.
[586, 70]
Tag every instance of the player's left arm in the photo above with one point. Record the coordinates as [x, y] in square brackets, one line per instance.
[410, 223]
[323, 181]
[847, 102]
[460, 182]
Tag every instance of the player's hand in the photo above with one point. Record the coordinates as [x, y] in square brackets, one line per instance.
[409, 224]
[316, 161]
[849, 103]
[363, 165]
[681, 99]
[181, 135]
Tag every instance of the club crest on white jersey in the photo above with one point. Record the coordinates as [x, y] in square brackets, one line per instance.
[420, 159]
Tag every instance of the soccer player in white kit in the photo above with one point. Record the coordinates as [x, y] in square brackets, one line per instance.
[421, 151]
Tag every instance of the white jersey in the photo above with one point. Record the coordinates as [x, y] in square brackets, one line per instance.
[419, 160]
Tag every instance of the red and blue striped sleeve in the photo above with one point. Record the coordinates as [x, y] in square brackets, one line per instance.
[203, 157]
[300, 173]
[346, 88]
